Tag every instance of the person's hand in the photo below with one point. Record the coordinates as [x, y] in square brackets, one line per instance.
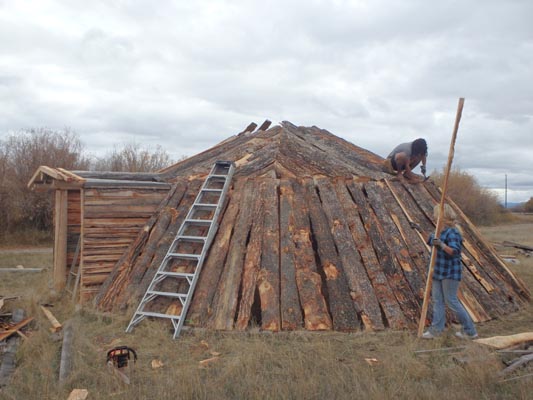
[438, 243]
[415, 226]
[423, 169]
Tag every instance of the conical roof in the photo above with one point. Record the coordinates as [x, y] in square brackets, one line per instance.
[314, 236]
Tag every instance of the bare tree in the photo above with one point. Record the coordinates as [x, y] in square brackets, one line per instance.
[21, 153]
[133, 158]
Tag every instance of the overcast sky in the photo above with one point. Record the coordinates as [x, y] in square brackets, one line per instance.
[188, 74]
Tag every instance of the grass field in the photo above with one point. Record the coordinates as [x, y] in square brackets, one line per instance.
[254, 365]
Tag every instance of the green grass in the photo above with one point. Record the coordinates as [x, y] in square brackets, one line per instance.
[255, 365]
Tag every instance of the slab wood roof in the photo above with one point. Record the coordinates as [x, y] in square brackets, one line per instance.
[314, 236]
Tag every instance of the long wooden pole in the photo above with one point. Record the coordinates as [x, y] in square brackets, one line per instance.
[438, 227]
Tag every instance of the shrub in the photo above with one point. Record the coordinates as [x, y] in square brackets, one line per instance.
[479, 204]
[133, 158]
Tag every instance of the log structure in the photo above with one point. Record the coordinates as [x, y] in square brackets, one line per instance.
[100, 213]
[313, 236]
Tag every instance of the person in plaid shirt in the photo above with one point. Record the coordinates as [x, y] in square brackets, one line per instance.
[447, 276]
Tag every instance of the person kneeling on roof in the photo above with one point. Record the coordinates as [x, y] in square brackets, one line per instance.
[405, 157]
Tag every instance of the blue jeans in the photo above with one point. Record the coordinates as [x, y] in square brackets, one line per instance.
[445, 292]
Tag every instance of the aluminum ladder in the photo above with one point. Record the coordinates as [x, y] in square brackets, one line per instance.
[183, 261]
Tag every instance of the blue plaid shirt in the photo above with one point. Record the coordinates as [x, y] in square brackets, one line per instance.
[446, 266]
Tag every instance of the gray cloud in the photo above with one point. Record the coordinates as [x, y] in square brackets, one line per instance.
[190, 74]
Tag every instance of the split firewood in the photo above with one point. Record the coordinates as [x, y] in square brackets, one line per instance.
[56, 326]
[78, 394]
[502, 342]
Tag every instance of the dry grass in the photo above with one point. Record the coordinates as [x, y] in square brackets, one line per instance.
[258, 365]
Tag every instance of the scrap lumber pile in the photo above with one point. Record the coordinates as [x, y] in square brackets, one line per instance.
[516, 352]
[10, 334]
[313, 236]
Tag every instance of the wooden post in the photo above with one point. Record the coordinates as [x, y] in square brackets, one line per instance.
[438, 228]
[60, 240]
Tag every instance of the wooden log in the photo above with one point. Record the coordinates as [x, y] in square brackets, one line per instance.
[252, 262]
[308, 280]
[225, 301]
[56, 326]
[392, 311]
[200, 308]
[291, 311]
[268, 278]
[389, 265]
[382, 202]
[65, 364]
[361, 288]
[521, 361]
[343, 313]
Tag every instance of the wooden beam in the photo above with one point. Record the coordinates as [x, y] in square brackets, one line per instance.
[60, 240]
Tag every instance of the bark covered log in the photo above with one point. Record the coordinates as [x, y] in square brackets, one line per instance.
[268, 278]
[361, 288]
[384, 292]
[343, 312]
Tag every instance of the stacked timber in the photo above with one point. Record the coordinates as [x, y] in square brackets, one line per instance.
[313, 236]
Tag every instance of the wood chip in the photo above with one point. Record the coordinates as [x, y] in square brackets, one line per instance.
[78, 394]
[157, 364]
[205, 363]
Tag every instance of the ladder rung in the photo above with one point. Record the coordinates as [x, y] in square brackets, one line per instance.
[199, 239]
[211, 190]
[218, 176]
[176, 274]
[185, 256]
[203, 222]
[205, 205]
[168, 294]
[159, 315]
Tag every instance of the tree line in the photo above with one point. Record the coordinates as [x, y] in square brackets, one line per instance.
[22, 152]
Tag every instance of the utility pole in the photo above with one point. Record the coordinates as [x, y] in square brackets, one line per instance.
[506, 191]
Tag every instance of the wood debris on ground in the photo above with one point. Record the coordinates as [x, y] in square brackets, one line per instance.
[56, 325]
[78, 394]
